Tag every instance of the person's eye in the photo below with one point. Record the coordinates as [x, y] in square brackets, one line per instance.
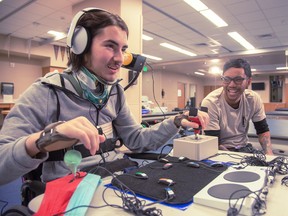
[239, 79]
[110, 46]
[227, 79]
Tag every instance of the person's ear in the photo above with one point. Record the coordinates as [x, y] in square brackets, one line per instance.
[249, 80]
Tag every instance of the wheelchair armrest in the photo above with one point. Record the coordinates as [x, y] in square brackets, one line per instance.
[31, 189]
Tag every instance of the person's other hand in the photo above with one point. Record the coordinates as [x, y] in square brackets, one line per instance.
[223, 148]
[203, 119]
[83, 130]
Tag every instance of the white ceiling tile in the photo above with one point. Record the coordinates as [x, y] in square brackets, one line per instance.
[169, 21]
[276, 12]
[268, 4]
[243, 7]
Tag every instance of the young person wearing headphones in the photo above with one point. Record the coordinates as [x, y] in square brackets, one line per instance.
[90, 97]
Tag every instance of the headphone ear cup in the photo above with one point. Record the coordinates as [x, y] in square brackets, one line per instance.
[80, 41]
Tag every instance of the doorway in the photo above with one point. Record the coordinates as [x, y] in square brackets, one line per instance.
[192, 96]
[181, 95]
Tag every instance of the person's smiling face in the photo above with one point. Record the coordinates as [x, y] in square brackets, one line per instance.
[107, 53]
[234, 83]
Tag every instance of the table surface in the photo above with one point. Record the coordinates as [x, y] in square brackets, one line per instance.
[279, 113]
[281, 109]
[276, 199]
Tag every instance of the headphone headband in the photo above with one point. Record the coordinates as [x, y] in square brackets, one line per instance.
[78, 36]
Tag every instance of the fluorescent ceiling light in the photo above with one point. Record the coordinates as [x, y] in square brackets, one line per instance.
[152, 57]
[282, 68]
[215, 70]
[253, 69]
[208, 13]
[214, 18]
[58, 35]
[199, 73]
[237, 37]
[196, 4]
[202, 70]
[169, 46]
[146, 37]
[215, 60]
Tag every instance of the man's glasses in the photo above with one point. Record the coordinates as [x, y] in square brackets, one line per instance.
[237, 80]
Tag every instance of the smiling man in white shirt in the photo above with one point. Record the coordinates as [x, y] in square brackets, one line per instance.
[232, 106]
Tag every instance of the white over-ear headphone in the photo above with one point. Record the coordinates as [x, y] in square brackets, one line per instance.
[78, 37]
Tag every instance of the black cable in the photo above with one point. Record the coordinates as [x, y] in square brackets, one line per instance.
[284, 181]
[162, 149]
[4, 206]
[258, 159]
[259, 206]
[144, 163]
[153, 90]
[278, 165]
[232, 155]
[133, 204]
[130, 202]
[132, 80]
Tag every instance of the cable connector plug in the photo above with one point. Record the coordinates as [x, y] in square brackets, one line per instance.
[170, 193]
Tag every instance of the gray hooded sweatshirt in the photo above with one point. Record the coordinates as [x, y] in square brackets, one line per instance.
[37, 108]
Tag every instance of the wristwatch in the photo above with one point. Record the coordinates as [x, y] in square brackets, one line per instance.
[51, 140]
[178, 119]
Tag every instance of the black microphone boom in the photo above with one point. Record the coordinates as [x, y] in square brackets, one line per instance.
[134, 63]
[137, 63]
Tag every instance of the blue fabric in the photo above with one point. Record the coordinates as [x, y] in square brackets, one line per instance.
[83, 194]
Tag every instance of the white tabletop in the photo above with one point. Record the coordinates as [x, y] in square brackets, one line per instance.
[276, 200]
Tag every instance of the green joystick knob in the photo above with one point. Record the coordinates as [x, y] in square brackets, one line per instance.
[72, 159]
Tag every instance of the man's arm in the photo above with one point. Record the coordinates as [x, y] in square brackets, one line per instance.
[265, 141]
[264, 137]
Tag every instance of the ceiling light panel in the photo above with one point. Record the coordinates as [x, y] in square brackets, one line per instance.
[180, 50]
[242, 41]
[206, 12]
[151, 57]
[196, 4]
[199, 73]
[214, 18]
[146, 37]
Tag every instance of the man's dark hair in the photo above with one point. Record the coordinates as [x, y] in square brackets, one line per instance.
[94, 22]
[238, 63]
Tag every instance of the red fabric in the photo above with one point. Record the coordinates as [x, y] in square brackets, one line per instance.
[57, 195]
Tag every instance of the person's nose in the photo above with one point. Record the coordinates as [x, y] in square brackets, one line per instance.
[232, 83]
[119, 56]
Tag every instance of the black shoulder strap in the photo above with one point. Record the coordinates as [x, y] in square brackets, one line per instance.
[73, 81]
[58, 102]
[119, 101]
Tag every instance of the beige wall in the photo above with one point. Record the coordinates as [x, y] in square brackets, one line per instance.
[23, 72]
[19, 70]
[11, 46]
[168, 82]
[264, 94]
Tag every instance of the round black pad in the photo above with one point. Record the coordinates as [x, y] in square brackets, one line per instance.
[241, 176]
[224, 191]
